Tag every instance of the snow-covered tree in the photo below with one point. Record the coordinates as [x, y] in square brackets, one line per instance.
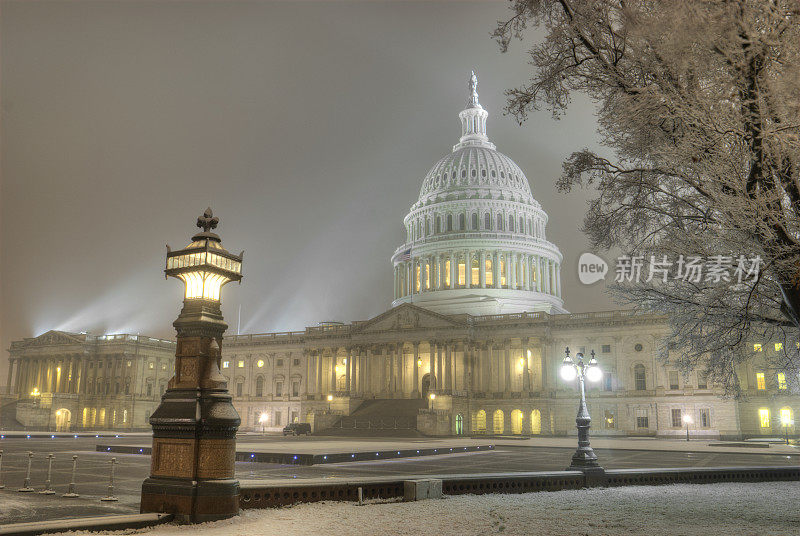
[698, 103]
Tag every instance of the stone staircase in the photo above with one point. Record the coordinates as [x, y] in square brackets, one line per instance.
[380, 418]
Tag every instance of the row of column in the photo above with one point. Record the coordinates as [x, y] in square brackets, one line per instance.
[45, 374]
[400, 370]
[477, 269]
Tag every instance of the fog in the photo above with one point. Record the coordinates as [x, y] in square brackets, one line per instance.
[307, 127]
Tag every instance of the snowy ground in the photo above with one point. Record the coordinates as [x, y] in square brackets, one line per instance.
[740, 509]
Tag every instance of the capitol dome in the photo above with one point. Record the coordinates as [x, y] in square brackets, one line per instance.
[476, 236]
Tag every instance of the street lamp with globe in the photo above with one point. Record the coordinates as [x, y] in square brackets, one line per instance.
[687, 420]
[786, 421]
[584, 458]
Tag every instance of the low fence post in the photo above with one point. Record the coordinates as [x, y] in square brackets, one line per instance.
[71, 490]
[26, 486]
[110, 496]
[48, 488]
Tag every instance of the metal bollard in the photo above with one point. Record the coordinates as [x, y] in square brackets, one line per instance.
[48, 488]
[26, 487]
[110, 496]
[71, 490]
[1, 470]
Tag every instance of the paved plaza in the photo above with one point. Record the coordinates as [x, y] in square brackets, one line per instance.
[509, 455]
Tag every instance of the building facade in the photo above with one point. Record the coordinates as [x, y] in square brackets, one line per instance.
[474, 340]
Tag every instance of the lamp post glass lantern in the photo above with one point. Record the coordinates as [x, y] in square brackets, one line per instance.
[194, 427]
[584, 457]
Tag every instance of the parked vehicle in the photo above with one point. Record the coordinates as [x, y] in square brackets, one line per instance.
[297, 428]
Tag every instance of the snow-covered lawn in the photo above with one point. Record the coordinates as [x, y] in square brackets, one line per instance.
[737, 509]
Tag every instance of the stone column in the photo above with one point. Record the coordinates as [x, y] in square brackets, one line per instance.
[318, 363]
[347, 370]
[367, 370]
[468, 268]
[496, 269]
[482, 268]
[469, 360]
[415, 390]
[401, 368]
[390, 358]
[10, 375]
[440, 381]
[507, 359]
[526, 373]
[448, 371]
[432, 358]
[489, 366]
[333, 387]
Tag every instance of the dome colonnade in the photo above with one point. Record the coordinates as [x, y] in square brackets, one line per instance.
[475, 239]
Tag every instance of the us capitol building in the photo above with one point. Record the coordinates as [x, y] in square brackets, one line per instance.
[471, 345]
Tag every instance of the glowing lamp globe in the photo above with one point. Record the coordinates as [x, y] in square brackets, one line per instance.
[568, 372]
[204, 266]
[593, 372]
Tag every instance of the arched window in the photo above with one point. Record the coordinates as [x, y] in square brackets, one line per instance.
[459, 424]
[438, 224]
[127, 386]
[260, 386]
[639, 377]
[511, 223]
[489, 273]
[536, 422]
[516, 422]
[475, 272]
[498, 422]
[475, 222]
[500, 226]
[480, 421]
[487, 221]
[462, 222]
[149, 389]
[427, 226]
[530, 227]
[449, 222]
[521, 224]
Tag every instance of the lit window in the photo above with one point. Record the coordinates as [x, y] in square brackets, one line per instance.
[240, 364]
[447, 274]
[489, 274]
[151, 365]
[226, 364]
[476, 272]
[462, 274]
[416, 277]
[163, 366]
[763, 417]
[260, 363]
[761, 383]
[756, 347]
[778, 346]
[781, 380]
[502, 271]
[129, 363]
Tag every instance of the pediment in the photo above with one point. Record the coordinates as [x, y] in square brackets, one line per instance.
[408, 316]
[54, 337]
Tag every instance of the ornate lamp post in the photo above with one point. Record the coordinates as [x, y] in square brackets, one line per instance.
[584, 458]
[786, 421]
[194, 428]
[687, 420]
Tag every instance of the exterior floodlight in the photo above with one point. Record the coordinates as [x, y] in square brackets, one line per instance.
[330, 398]
[204, 266]
[263, 418]
[687, 419]
[432, 396]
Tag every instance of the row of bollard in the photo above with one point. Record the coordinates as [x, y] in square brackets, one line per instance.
[48, 489]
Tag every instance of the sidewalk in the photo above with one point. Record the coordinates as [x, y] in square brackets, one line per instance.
[637, 443]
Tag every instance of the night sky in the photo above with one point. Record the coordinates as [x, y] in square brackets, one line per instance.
[308, 127]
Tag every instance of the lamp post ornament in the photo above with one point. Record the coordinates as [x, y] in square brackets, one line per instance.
[584, 458]
[194, 427]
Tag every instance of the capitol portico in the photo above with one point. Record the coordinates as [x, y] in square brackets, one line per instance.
[471, 344]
